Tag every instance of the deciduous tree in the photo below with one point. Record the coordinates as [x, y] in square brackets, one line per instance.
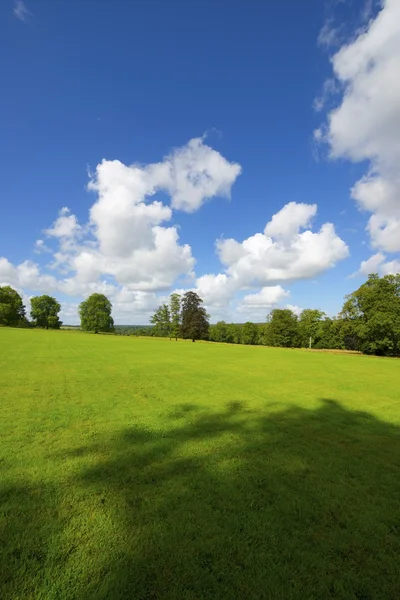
[12, 309]
[95, 314]
[175, 313]
[283, 328]
[373, 311]
[162, 321]
[310, 326]
[44, 312]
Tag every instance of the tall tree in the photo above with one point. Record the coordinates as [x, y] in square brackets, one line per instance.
[12, 309]
[162, 321]
[310, 326]
[283, 328]
[44, 312]
[175, 312]
[195, 324]
[95, 314]
[373, 312]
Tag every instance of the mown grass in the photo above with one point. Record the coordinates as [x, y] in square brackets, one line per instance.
[148, 469]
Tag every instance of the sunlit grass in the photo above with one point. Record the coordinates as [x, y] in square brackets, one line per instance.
[146, 469]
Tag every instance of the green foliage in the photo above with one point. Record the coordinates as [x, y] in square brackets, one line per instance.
[44, 312]
[249, 334]
[283, 329]
[175, 312]
[137, 330]
[195, 324]
[310, 322]
[95, 314]
[12, 309]
[139, 469]
[373, 311]
[161, 321]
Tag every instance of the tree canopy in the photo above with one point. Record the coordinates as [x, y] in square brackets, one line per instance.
[195, 324]
[44, 312]
[310, 326]
[175, 313]
[373, 315]
[12, 309]
[162, 321]
[282, 328]
[95, 314]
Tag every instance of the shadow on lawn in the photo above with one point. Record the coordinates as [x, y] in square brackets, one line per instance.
[237, 504]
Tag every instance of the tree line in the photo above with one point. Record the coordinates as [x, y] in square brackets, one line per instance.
[369, 321]
[95, 312]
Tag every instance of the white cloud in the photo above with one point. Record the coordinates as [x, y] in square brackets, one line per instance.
[391, 268]
[265, 298]
[287, 223]
[65, 226]
[26, 275]
[20, 10]
[365, 126]
[372, 265]
[282, 253]
[41, 247]
[194, 174]
[217, 291]
[377, 264]
[127, 245]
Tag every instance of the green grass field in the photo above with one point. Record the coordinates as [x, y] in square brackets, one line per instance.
[147, 469]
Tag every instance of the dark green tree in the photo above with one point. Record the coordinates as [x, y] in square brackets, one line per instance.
[161, 321]
[175, 313]
[44, 312]
[283, 328]
[95, 314]
[330, 334]
[219, 332]
[12, 309]
[249, 333]
[372, 313]
[195, 324]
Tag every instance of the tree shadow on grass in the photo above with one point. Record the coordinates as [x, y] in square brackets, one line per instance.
[234, 504]
[29, 526]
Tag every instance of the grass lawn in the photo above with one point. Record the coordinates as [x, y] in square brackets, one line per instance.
[144, 469]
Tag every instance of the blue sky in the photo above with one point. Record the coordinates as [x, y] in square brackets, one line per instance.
[230, 113]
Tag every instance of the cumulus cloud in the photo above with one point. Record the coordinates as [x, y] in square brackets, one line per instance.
[194, 174]
[365, 126]
[65, 226]
[286, 251]
[127, 245]
[26, 275]
[377, 263]
[283, 252]
[265, 298]
[216, 290]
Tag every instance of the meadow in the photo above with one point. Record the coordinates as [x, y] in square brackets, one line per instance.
[137, 468]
